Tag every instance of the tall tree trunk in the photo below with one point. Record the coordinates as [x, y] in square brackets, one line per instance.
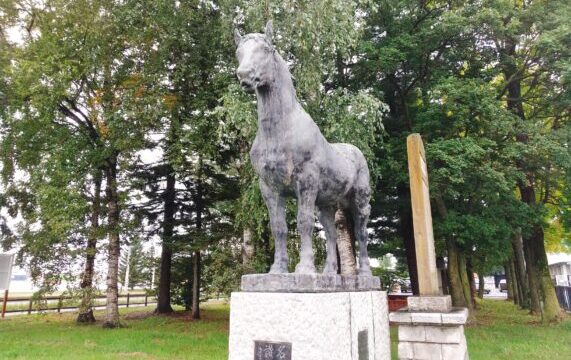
[196, 268]
[515, 285]
[466, 290]
[196, 285]
[164, 299]
[517, 246]
[481, 285]
[520, 293]
[532, 278]
[456, 288]
[345, 241]
[552, 311]
[407, 233]
[459, 287]
[509, 281]
[87, 292]
[188, 292]
[113, 213]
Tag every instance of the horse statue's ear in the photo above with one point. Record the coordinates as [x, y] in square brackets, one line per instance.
[269, 31]
[237, 37]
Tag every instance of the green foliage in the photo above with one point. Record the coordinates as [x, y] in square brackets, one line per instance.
[223, 270]
[92, 80]
[437, 66]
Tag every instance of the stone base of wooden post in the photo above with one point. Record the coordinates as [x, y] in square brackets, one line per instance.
[430, 328]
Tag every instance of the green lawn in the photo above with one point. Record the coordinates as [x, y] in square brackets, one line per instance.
[56, 336]
[499, 331]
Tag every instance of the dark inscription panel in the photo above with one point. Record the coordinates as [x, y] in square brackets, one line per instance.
[265, 350]
[363, 344]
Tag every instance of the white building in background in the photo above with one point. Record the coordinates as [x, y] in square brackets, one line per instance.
[560, 268]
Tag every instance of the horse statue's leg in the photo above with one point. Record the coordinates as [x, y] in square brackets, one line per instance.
[276, 207]
[306, 191]
[327, 219]
[360, 211]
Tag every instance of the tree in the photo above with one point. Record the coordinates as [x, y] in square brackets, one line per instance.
[408, 47]
[187, 64]
[86, 95]
[526, 39]
[432, 61]
[85, 309]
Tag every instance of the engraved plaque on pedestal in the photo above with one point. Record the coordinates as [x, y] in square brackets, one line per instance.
[265, 350]
[363, 344]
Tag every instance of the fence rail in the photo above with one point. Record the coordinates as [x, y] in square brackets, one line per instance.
[27, 303]
[564, 296]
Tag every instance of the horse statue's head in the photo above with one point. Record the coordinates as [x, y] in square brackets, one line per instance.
[255, 53]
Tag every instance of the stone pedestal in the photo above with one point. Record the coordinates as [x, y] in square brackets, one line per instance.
[309, 283]
[431, 329]
[296, 325]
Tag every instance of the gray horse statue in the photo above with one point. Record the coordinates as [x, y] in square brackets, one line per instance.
[292, 158]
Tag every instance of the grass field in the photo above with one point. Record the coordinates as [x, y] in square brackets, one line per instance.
[499, 331]
[56, 336]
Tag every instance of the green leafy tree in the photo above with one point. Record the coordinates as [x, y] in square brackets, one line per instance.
[189, 74]
[529, 42]
[82, 99]
[407, 48]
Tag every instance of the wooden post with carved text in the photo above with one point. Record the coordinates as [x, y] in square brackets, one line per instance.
[422, 217]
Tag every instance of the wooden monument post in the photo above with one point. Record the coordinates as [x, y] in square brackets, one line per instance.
[429, 328]
[422, 217]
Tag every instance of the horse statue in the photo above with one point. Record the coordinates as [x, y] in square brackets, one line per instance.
[293, 158]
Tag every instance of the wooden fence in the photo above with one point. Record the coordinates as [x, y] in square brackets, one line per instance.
[26, 304]
[564, 296]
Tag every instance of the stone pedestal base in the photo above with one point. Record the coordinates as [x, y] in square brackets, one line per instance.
[427, 335]
[311, 283]
[309, 326]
